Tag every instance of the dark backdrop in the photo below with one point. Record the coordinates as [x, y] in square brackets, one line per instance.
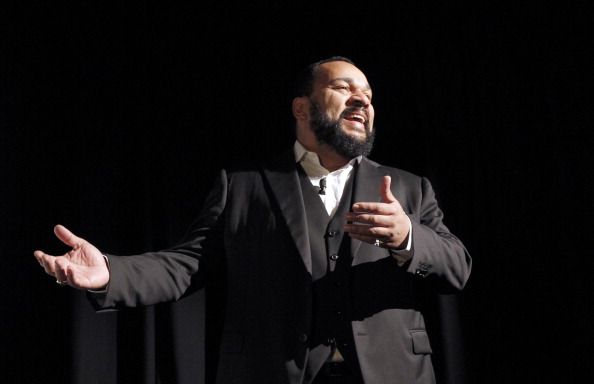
[116, 117]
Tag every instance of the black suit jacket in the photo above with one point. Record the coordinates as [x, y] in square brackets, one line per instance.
[251, 238]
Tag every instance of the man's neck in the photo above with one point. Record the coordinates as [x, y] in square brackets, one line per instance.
[331, 160]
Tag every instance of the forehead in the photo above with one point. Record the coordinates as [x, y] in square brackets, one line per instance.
[340, 70]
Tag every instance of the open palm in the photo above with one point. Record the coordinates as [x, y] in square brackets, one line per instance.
[83, 267]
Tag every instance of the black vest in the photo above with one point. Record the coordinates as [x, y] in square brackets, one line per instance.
[331, 261]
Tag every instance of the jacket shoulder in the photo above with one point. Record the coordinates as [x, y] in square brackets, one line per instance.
[401, 174]
[281, 161]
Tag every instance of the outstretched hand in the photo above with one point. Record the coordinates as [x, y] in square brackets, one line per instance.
[83, 267]
[383, 224]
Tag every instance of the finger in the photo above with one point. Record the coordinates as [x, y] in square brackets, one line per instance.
[366, 230]
[369, 219]
[66, 236]
[367, 239]
[39, 257]
[46, 261]
[385, 192]
[61, 270]
[375, 208]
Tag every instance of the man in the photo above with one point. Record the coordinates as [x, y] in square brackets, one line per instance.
[303, 301]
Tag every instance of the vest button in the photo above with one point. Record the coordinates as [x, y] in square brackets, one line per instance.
[334, 257]
[331, 341]
[332, 233]
[303, 337]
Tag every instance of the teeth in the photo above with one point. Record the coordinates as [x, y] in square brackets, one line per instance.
[357, 117]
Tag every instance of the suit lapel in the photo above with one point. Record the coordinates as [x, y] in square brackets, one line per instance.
[366, 190]
[282, 175]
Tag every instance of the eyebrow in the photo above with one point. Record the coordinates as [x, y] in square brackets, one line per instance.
[349, 80]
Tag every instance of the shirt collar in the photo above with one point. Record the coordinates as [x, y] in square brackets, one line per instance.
[302, 154]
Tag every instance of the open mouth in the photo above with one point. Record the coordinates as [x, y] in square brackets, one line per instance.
[356, 115]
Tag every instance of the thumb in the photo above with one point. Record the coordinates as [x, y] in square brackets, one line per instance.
[385, 192]
[66, 236]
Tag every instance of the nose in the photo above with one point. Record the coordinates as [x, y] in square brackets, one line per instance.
[360, 99]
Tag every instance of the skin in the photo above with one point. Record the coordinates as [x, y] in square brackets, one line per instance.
[338, 85]
[83, 267]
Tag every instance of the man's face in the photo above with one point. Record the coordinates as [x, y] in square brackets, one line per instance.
[341, 110]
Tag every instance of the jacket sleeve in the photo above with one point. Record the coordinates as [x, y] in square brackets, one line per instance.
[437, 252]
[157, 277]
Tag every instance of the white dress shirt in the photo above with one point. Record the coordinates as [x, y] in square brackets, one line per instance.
[335, 181]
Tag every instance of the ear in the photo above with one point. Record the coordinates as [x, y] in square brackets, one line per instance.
[301, 108]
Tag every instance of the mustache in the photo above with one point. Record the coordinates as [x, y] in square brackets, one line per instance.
[350, 110]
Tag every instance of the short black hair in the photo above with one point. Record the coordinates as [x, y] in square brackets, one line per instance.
[303, 85]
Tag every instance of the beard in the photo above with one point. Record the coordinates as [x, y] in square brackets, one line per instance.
[330, 132]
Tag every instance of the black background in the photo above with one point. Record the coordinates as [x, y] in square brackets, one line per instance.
[116, 117]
